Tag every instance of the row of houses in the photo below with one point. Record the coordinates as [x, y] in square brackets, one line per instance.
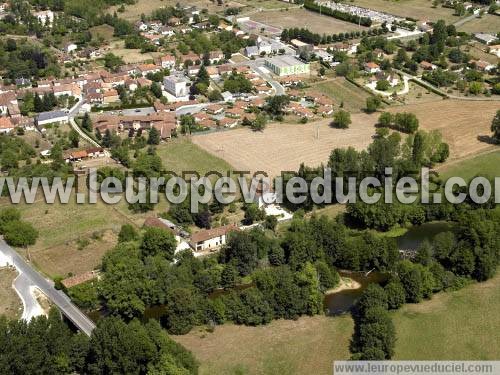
[164, 122]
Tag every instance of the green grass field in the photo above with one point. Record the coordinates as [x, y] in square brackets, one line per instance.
[486, 23]
[343, 91]
[182, 155]
[305, 346]
[485, 165]
[458, 325]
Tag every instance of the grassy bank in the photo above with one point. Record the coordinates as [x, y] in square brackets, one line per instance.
[485, 165]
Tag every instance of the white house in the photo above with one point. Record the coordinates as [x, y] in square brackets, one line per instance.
[142, 26]
[323, 55]
[211, 239]
[177, 85]
[168, 62]
[371, 67]
[495, 50]
[70, 47]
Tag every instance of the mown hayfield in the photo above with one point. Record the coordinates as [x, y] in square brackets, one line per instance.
[10, 303]
[133, 12]
[131, 56]
[73, 237]
[284, 146]
[465, 125]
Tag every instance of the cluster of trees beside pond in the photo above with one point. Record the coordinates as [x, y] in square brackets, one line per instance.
[49, 346]
[262, 277]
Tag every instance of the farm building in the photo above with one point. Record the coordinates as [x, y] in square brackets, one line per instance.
[211, 239]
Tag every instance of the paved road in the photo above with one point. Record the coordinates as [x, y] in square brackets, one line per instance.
[30, 277]
[464, 20]
[72, 114]
[24, 288]
[431, 86]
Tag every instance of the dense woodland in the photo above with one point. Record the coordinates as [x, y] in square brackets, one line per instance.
[49, 346]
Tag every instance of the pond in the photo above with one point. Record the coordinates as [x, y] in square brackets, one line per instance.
[417, 234]
[341, 302]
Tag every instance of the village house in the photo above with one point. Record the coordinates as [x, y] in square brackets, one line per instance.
[482, 65]
[167, 62]
[207, 123]
[167, 31]
[110, 96]
[425, 65]
[6, 125]
[215, 56]
[145, 69]
[164, 122]
[177, 85]
[211, 239]
[234, 112]
[495, 50]
[200, 116]
[485, 38]
[190, 57]
[70, 47]
[6, 99]
[75, 155]
[323, 55]
[215, 109]
[212, 71]
[228, 122]
[371, 67]
[152, 38]
[193, 70]
[131, 84]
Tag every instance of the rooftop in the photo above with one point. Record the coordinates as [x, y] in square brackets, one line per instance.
[284, 61]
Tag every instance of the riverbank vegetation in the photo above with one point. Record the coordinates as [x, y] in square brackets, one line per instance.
[310, 344]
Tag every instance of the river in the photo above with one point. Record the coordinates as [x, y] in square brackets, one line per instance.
[341, 302]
